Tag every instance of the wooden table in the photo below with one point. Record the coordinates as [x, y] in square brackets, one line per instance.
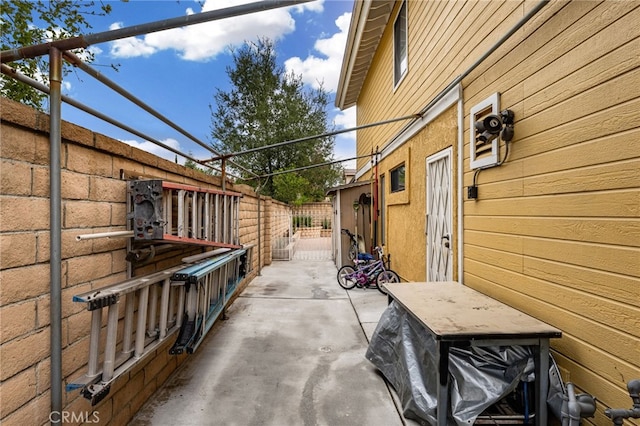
[457, 315]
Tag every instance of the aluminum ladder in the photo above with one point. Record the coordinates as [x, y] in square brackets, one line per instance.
[208, 287]
[161, 210]
[186, 298]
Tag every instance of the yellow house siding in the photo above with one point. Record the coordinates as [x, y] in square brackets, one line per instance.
[439, 47]
[556, 229]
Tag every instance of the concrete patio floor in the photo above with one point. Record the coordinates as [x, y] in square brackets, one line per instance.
[291, 353]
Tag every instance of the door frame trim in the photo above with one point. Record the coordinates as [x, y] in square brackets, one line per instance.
[447, 152]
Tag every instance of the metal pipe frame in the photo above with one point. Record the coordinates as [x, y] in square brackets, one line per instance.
[7, 70]
[55, 217]
[76, 61]
[85, 41]
[323, 135]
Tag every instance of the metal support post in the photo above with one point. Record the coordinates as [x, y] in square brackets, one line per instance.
[55, 248]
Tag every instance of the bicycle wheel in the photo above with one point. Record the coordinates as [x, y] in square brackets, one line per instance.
[387, 276]
[353, 252]
[346, 278]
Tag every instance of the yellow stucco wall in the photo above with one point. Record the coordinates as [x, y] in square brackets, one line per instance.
[405, 210]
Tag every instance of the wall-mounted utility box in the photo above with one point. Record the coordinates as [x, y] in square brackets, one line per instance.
[483, 154]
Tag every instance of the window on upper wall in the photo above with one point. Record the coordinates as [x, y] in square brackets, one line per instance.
[397, 178]
[400, 61]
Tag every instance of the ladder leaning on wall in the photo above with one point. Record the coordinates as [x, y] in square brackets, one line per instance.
[185, 300]
[181, 213]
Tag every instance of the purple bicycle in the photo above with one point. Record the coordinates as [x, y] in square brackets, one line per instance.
[367, 274]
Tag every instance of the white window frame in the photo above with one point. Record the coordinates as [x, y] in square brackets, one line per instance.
[400, 64]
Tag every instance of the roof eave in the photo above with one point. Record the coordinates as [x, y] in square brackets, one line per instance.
[368, 21]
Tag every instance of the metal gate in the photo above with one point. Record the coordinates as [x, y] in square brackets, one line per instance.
[304, 233]
[282, 242]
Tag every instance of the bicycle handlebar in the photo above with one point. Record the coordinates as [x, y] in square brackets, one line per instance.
[346, 231]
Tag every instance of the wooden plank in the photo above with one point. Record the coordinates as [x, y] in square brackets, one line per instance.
[609, 94]
[596, 230]
[503, 259]
[610, 176]
[602, 364]
[608, 149]
[511, 189]
[507, 288]
[623, 203]
[615, 120]
[456, 312]
[620, 288]
[508, 70]
[618, 315]
[492, 240]
[615, 259]
[581, 71]
[571, 27]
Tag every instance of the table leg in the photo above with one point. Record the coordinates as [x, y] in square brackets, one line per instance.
[443, 383]
[542, 381]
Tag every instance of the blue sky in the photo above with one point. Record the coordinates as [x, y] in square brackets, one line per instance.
[178, 71]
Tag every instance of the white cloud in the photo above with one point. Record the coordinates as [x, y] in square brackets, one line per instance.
[129, 47]
[314, 6]
[325, 68]
[346, 119]
[204, 41]
[345, 146]
[158, 150]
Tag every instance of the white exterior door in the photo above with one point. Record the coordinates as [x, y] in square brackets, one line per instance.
[439, 217]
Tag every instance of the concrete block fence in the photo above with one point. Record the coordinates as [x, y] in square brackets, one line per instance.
[95, 170]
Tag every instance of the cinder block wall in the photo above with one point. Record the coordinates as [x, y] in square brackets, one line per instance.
[280, 219]
[94, 173]
[320, 212]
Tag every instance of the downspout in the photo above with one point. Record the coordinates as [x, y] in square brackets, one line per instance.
[460, 186]
[55, 218]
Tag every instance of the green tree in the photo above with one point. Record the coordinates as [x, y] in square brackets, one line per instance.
[266, 106]
[28, 22]
[193, 165]
[291, 188]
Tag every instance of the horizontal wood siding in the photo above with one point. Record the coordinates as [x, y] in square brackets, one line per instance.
[556, 229]
[443, 38]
